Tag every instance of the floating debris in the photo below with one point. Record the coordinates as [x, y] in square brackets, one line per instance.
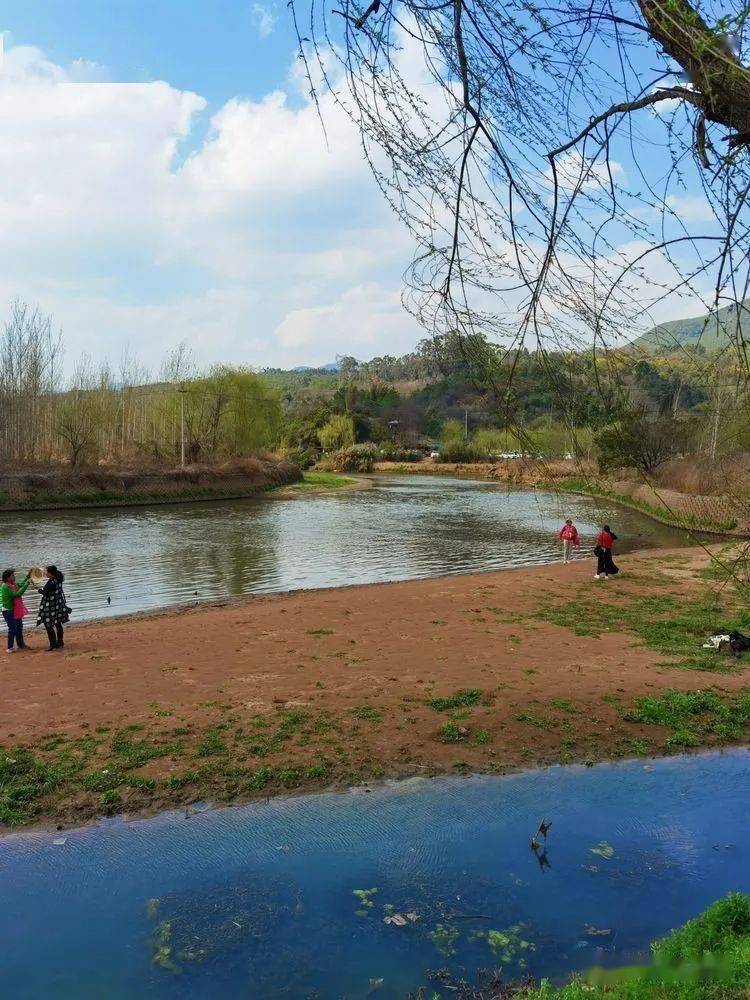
[59, 841]
[603, 850]
[590, 931]
[401, 919]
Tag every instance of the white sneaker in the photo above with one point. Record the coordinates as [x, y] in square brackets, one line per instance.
[596, 576]
[10, 650]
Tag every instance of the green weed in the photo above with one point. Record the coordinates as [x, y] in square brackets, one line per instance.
[468, 697]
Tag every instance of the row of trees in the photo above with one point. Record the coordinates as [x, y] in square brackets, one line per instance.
[679, 403]
[119, 416]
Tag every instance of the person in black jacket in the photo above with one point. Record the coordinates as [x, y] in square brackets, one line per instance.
[53, 609]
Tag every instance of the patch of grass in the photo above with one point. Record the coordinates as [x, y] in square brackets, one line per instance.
[320, 631]
[468, 697]
[180, 780]
[367, 713]
[706, 959]
[672, 624]
[538, 721]
[25, 779]
[324, 480]
[564, 705]
[695, 717]
[135, 753]
[262, 777]
[211, 743]
[109, 799]
[481, 737]
[161, 712]
[451, 732]
[105, 780]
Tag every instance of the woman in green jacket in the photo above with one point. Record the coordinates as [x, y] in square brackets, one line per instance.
[11, 594]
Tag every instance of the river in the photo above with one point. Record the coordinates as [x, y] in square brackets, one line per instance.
[404, 528]
[289, 898]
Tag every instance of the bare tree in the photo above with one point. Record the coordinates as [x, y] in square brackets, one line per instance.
[542, 155]
[30, 355]
[81, 411]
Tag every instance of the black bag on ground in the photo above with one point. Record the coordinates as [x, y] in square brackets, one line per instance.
[738, 643]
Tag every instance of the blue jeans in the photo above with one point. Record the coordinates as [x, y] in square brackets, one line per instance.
[15, 629]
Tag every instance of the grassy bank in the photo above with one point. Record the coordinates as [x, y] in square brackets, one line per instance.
[143, 768]
[63, 488]
[706, 959]
[659, 513]
[317, 480]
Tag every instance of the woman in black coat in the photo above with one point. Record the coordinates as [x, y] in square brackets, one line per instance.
[53, 610]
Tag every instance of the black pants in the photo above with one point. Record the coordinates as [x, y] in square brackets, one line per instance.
[605, 565]
[55, 635]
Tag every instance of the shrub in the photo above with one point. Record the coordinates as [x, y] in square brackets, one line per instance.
[457, 451]
[392, 453]
[302, 457]
[356, 458]
[338, 433]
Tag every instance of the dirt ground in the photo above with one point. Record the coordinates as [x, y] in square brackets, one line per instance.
[341, 685]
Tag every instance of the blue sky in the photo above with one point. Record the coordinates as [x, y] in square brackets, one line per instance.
[166, 179]
[210, 46]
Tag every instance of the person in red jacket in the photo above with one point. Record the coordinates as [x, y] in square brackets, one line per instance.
[570, 539]
[603, 551]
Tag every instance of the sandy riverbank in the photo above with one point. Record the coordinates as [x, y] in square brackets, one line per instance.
[318, 687]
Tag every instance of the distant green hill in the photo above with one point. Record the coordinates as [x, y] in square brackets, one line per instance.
[712, 331]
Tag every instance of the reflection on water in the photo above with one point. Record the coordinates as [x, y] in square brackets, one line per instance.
[290, 898]
[404, 528]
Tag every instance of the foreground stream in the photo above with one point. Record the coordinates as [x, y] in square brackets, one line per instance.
[288, 898]
[404, 528]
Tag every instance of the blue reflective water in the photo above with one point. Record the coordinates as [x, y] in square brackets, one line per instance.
[404, 528]
[258, 901]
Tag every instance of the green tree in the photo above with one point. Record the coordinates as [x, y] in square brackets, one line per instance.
[337, 433]
[640, 442]
[451, 431]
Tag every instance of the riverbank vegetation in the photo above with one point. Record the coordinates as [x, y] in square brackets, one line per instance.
[656, 418]
[121, 416]
[652, 417]
[708, 958]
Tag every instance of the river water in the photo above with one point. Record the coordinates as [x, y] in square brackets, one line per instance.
[404, 528]
[259, 901]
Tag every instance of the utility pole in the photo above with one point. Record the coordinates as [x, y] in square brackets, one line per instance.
[466, 425]
[181, 391]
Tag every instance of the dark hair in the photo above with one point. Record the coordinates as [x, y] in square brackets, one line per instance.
[54, 571]
[606, 528]
[7, 574]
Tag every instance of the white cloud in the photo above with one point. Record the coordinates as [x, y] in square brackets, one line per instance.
[365, 321]
[690, 208]
[252, 247]
[263, 20]
[576, 172]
